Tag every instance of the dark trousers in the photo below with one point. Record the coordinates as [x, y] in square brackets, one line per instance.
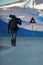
[13, 39]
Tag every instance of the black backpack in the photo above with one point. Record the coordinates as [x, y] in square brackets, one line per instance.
[13, 24]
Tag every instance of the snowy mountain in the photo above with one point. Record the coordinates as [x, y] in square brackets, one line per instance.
[33, 4]
[36, 4]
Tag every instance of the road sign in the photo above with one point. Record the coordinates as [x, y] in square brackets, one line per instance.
[32, 20]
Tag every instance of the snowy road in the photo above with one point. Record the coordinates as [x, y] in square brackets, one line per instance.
[28, 51]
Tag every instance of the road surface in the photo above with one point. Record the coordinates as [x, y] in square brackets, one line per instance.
[28, 51]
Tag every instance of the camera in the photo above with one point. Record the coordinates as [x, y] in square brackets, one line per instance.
[12, 16]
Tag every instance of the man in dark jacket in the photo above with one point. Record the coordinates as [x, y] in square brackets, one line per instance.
[13, 27]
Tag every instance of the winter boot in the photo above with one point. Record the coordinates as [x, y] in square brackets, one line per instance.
[14, 42]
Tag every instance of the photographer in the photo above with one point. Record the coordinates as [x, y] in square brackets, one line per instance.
[12, 28]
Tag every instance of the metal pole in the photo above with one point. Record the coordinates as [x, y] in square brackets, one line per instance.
[32, 30]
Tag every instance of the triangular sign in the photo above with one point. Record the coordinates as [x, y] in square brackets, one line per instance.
[32, 20]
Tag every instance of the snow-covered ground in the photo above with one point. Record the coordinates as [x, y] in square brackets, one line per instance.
[28, 51]
[25, 15]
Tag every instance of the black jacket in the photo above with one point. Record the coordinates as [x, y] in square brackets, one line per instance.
[12, 25]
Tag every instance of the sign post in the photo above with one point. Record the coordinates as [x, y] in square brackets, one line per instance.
[32, 21]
